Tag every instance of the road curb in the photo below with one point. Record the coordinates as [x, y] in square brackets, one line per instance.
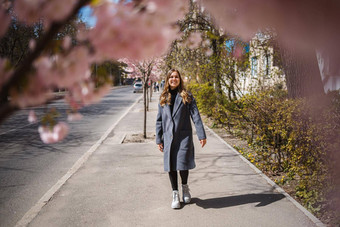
[314, 219]
[34, 211]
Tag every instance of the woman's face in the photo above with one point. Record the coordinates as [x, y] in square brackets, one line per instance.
[174, 80]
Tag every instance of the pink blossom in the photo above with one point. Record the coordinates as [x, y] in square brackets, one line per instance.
[206, 43]
[64, 71]
[299, 23]
[139, 67]
[169, 11]
[129, 30]
[32, 44]
[6, 4]
[82, 32]
[209, 52]
[56, 134]
[5, 20]
[74, 116]
[28, 11]
[194, 40]
[85, 93]
[32, 117]
[67, 42]
[72, 102]
[33, 94]
[57, 10]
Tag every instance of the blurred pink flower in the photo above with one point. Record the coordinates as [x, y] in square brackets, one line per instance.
[57, 10]
[32, 117]
[28, 11]
[5, 20]
[301, 24]
[74, 117]
[136, 35]
[33, 94]
[64, 71]
[67, 42]
[32, 44]
[194, 40]
[54, 135]
[209, 52]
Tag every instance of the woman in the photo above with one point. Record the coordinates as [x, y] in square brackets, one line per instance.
[174, 133]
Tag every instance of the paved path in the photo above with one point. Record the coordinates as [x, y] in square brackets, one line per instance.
[29, 168]
[124, 185]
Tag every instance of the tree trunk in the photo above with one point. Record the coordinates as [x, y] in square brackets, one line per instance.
[145, 107]
[151, 87]
[147, 98]
[303, 77]
[217, 62]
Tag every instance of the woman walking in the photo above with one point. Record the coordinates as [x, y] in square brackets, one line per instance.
[174, 133]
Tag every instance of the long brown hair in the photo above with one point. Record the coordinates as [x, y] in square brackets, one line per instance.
[165, 97]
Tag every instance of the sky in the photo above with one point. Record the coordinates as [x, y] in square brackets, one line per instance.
[85, 14]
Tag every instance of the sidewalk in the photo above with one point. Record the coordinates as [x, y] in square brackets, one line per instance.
[123, 184]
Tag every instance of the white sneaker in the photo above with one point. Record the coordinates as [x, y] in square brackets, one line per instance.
[186, 193]
[175, 200]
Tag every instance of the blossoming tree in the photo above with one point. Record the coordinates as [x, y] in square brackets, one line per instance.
[148, 71]
[140, 29]
[136, 29]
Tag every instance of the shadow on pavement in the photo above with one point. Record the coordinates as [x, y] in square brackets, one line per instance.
[229, 201]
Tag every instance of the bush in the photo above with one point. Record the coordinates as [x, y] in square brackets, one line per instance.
[296, 138]
[205, 96]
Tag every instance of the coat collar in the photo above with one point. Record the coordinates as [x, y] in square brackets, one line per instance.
[177, 104]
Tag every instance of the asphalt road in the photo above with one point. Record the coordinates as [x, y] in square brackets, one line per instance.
[29, 168]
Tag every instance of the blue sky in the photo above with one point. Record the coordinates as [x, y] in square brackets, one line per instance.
[85, 15]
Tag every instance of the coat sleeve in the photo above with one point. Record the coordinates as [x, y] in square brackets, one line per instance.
[196, 118]
[159, 126]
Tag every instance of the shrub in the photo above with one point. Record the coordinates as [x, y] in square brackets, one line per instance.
[298, 138]
[205, 96]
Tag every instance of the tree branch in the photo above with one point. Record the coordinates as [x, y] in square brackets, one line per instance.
[21, 71]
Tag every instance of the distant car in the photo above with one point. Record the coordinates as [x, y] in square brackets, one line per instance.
[137, 87]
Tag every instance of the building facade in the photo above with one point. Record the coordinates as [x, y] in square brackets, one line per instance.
[263, 71]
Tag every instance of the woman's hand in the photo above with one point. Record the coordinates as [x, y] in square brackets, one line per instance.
[160, 147]
[203, 142]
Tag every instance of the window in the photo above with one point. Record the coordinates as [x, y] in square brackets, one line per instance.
[266, 65]
[254, 66]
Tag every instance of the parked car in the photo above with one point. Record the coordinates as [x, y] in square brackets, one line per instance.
[137, 87]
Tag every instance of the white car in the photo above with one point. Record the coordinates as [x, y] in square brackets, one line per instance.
[137, 87]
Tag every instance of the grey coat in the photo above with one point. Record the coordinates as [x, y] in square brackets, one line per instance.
[175, 133]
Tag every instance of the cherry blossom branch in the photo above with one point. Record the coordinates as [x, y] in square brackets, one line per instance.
[21, 71]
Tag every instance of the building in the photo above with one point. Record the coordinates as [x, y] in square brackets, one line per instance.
[263, 71]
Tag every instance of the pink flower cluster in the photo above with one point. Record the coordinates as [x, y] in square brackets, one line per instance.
[194, 40]
[299, 23]
[5, 21]
[137, 30]
[63, 71]
[127, 31]
[140, 68]
[30, 11]
[52, 135]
